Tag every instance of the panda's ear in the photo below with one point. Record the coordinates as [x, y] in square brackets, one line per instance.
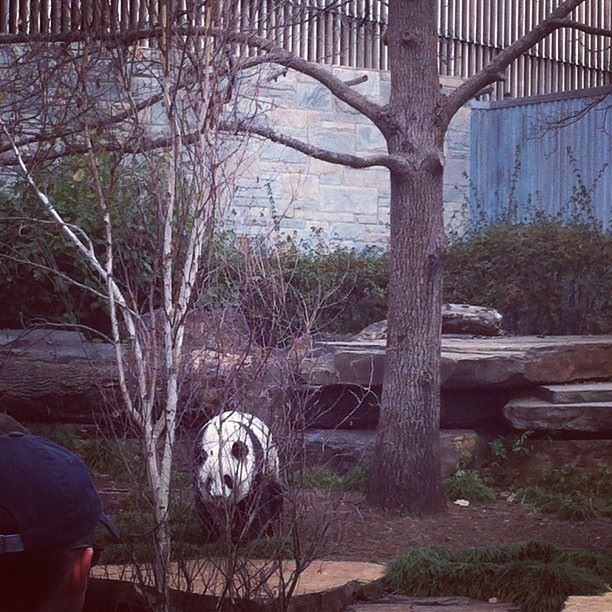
[240, 450]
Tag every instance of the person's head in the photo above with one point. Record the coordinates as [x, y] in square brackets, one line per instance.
[48, 512]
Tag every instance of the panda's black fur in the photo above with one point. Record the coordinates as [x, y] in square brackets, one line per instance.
[258, 500]
[250, 518]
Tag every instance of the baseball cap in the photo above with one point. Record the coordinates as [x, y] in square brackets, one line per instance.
[48, 491]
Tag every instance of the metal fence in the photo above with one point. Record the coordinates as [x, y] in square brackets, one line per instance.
[349, 32]
[549, 155]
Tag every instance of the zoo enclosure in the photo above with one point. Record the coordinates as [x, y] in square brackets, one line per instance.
[349, 32]
[550, 155]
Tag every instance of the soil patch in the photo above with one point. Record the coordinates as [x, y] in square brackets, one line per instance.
[360, 532]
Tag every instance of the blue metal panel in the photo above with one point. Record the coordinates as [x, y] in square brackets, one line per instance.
[543, 156]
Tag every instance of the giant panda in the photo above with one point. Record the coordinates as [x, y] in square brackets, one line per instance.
[237, 477]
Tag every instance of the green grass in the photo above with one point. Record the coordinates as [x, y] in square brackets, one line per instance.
[537, 575]
[324, 479]
[470, 485]
[571, 493]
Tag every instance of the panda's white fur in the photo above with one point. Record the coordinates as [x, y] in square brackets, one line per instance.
[225, 472]
[237, 475]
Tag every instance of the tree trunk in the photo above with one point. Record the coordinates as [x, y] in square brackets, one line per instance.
[406, 471]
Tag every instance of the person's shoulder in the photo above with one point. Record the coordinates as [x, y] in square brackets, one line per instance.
[111, 596]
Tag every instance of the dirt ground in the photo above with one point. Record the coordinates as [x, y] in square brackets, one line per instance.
[361, 533]
[358, 532]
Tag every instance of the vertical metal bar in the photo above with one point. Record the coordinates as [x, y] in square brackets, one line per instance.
[319, 19]
[295, 30]
[330, 33]
[142, 13]
[56, 16]
[312, 33]
[384, 50]
[23, 16]
[361, 34]
[133, 11]
[12, 16]
[4, 16]
[376, 34]
[45, 16]
[351, 33]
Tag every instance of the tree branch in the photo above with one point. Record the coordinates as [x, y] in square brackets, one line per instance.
[494, 70]
[274, 54]
[143, 145]
[341, 90]
[583, 27]
[343, 159]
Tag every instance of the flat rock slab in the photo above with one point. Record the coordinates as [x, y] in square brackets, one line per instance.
[469, 363]
[584, 603]
[532, 413]
[341, 449]
[318, 576]
[578, 392]
[394, 603]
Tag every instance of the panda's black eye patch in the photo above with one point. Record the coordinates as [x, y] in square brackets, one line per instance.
[202, 456]
[240, 450]
[229, 481]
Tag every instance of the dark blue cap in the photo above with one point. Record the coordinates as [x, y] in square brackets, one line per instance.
[47, 489]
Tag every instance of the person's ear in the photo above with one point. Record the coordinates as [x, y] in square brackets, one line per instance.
[79, 572]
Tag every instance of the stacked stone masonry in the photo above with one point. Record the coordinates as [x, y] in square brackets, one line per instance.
[284, 188]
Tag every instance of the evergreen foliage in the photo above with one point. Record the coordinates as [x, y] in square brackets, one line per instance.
[537, 575]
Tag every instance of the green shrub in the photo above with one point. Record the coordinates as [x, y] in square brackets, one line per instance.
[37, 294]
[305, 285]
[537, 576]
[470, 485]
[545, 277]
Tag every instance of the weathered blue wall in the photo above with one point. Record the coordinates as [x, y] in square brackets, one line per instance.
[522, 151]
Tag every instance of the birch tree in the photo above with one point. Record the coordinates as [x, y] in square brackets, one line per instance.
[99, 99]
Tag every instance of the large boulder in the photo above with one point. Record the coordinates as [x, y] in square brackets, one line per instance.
[340, 450]
[456, 319]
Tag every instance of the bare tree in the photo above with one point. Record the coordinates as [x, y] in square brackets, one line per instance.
[405, 473]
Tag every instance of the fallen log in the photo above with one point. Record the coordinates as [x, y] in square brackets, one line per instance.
[54, 376]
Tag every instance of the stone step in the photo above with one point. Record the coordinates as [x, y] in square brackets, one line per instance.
[397, 603]
[578, 392]
[536, 414]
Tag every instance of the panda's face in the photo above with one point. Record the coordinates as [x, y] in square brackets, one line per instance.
[228, 460]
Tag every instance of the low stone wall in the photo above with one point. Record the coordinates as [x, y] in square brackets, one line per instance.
[284, 188]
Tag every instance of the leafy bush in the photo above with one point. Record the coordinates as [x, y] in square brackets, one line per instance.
[470, 485]
[284, 287]
[545, 277]
[31, 247]
[537, 576]
[571, 493]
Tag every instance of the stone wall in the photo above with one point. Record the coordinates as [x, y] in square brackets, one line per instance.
[284, 188]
